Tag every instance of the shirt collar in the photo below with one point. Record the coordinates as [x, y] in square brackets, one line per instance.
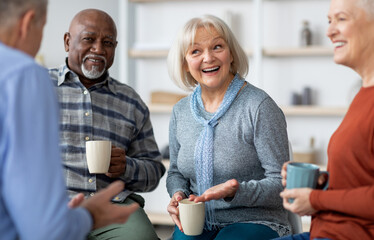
[65, 74]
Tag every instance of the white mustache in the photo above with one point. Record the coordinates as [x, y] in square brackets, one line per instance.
[94, 56]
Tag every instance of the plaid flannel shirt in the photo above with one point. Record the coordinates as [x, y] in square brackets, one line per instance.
[109, 110]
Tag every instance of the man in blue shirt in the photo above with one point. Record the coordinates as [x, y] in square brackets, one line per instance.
[33, 200]
[94, 106]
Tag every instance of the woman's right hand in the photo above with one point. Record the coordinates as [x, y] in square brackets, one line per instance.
[173, 208]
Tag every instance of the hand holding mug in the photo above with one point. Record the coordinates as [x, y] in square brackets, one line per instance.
[300, 179]
[173, 208]
[117, 165]
[322, 179]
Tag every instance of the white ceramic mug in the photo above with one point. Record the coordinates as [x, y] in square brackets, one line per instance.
[98, 156]
[192, 217]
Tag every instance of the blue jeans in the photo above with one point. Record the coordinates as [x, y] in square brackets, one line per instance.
[301, 236]
[237, 231]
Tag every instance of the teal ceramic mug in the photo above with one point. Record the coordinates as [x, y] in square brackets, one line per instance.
[303, 175]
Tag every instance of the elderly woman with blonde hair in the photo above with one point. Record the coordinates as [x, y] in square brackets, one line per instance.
[228, 139]
[346, 209]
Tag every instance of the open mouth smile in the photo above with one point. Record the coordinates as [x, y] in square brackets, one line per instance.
[209, 70]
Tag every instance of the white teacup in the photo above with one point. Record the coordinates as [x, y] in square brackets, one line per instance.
[192, 217]
[98, 156]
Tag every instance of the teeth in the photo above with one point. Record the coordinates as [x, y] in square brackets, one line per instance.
[338, 44]
[211, 69]
[94, 60]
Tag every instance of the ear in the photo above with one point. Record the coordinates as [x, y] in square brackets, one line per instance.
[25, 24]
[67, 41]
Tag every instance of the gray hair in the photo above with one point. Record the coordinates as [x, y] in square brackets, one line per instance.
[11, 10]
[368, 6]
[176, 58]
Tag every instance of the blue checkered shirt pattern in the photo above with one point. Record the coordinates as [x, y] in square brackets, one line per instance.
[108, 110]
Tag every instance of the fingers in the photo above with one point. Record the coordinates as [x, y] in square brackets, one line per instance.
[284, 173]
[112, 190]
[173, 208]
[177, 222]
[286, 204]
[179, 196]
[117, 163]
[117, 152]
[322, 180]
[76, 200]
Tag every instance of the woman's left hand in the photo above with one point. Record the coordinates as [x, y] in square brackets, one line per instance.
[223, 190]
[301, 204]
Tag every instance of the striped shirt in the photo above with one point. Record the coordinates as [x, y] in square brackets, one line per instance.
[108, 110]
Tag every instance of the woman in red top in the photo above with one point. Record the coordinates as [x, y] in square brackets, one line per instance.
[346, 209]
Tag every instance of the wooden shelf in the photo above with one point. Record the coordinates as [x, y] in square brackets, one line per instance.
[154, 53]
[269, 52]
[160, 108]
[314, 111]
[154, 1]
[298, 51]
[288, 110]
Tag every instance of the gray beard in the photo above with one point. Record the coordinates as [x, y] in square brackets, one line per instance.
[93, 73]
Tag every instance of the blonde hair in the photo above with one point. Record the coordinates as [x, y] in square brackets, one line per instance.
[176, 58]
[368, 6]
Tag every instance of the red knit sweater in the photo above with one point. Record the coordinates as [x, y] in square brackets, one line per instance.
[346, 209]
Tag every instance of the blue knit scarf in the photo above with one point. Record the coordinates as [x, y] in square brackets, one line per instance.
[204, 146]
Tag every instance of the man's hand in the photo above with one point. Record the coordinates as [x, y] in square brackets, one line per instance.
[76, 200]
[117, 163]
[103, 211]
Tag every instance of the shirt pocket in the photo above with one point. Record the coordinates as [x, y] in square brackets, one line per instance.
[122, 134]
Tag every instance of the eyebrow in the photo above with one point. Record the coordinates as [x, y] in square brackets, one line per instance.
[214, 39]
[94, 33]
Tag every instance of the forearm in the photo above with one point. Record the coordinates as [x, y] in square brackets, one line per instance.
[356, 202]
[176, 182]
[142, 175]
[263, 193]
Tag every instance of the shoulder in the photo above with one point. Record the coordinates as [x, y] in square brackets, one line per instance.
[182, 105]
[127, 94]
[16, 64]
[255, 94]
[255, 99]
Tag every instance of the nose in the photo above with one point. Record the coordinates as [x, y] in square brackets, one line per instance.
[208, 56]
[97, 47]
[331, 30]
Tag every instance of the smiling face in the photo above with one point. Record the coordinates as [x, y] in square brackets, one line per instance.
[208, 60]
[91, 43]
[351, 32]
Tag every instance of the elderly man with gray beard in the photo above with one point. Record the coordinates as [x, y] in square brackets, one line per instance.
[94, 106]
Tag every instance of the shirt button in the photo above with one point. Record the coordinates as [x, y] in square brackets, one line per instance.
[86, 114]
[90, 180]
[91, 194]
[87, 138]
[85, 92]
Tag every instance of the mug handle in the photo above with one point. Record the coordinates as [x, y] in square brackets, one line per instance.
[326, 184]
